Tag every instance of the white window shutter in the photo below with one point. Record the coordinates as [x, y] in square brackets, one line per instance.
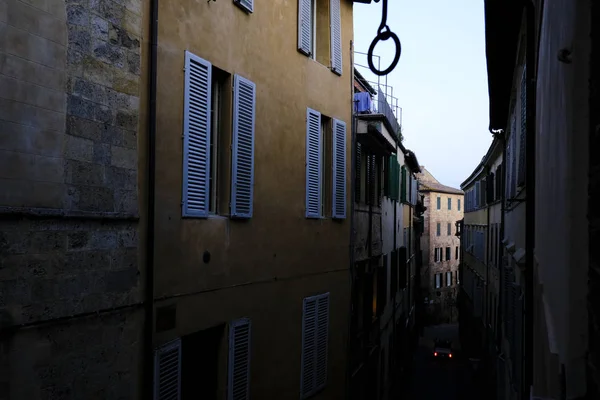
[242, 154]
[247, 5]
[315, 334]
[196, 136]
[339, 169]
[167, 371]
[336, 36]
[240, 334]
[313, 164]
[305, 26]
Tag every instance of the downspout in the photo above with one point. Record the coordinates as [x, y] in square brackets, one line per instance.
[148, 385]
[487, 256]
[530, 203]
[351, 269]
[502, 138]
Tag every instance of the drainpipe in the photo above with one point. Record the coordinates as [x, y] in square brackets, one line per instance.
[148, 386]
[530, 203]
[394, 248]
[502, 138]
[352, 236]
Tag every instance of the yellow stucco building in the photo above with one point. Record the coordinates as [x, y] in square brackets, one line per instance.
[253, 106]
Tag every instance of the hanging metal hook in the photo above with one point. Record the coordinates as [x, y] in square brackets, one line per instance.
[384, 33]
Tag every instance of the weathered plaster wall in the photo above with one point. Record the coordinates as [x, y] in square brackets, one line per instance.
[562, 142]
[69, 110]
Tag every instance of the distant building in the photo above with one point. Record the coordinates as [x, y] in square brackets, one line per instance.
[444, 206]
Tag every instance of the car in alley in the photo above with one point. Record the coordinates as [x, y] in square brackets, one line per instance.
[442, 349]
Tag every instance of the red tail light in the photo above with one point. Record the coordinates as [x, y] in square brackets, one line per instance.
[435, 354]
[450, 355]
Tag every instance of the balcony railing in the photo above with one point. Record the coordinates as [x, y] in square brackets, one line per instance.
[383, 100]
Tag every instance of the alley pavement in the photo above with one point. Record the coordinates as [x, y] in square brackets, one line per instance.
[435, 379]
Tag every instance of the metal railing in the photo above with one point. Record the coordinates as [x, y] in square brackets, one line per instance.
[383, 102]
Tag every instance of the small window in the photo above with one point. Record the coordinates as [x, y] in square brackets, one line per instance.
[439, 203]
[456, 256]
[449, 229]
[449, 203]
[439, 229]
[448, 254]
[449, 278]
[458, 204]
[438, 281]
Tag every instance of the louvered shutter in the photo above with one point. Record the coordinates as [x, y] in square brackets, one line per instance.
[242, 154]
[315, 332]
[403, 184]
[358, 174]
[336, 37]
[339, 169]
[196, 136]
[167, 371]
[521, 180]
[240, 334]
[305, 26]
[313, 164]
[247, 5]
[513, 155]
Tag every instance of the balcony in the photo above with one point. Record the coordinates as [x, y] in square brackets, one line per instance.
[376, 110]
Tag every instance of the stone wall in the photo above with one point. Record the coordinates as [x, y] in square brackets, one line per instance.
[69, 115]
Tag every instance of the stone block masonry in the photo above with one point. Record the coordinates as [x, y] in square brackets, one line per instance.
[70, 316]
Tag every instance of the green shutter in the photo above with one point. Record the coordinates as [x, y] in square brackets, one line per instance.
[403, 185]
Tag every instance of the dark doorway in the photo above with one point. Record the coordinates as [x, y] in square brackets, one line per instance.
[200, 363]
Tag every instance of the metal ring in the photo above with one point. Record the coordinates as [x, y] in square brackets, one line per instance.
[383, 36]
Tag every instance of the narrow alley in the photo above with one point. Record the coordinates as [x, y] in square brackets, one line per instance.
[441, 379]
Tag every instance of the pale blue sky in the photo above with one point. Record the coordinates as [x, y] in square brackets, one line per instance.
[440, 81]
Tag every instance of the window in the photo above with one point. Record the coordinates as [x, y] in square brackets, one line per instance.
[247, 5]
[449, 229]
[206, 141]
[458, 204]
[449, 278]
[449, 203]
[239, 359]
[439, 203]
[439, 229]
[320, 32]
[458, 277]
[456, 255]
[438, 281]
[448, 254]
[315, 337]
[437, 254]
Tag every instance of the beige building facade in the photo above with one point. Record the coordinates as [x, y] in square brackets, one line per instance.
[440, 246]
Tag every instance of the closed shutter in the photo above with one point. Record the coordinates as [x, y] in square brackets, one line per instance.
[196, 136]
[358, 174]
[315, 332]
[305, 26]
[339, 169]
[247, 5]
[521, 180]
[490, 188]
[167, 371]
[242, 164]
[513, 156]
[336, 37]
[313, 164]
[403, 184]
[240, 334]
